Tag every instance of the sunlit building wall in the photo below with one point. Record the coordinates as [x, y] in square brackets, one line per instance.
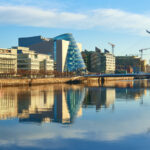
[102, 62]
[125, 62]
[31, 61]
[8, 61]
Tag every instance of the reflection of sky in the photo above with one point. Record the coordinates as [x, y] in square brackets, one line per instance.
[127, 126]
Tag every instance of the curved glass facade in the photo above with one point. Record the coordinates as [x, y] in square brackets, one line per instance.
[74, 60]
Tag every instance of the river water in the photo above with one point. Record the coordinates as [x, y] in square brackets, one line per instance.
[70, 117]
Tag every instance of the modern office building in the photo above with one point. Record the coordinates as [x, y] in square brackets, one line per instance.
[29, 60]
[123, 63]
[87, 59]
[38, 43]
[8, 62]
[99, 62]
[102, 62]
[63, 48]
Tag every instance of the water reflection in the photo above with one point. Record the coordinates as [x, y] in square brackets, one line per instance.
[105, 97]
[24, 111]
[100, 97]
[42, 104]
[62, 103]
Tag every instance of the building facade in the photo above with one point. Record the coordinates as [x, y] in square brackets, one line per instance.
[8, 62]
[63, 48]
[126, 63]
[87, 59]
[29, 60]
[99, 62]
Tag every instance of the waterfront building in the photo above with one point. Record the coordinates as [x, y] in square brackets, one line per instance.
[148, 68]
[29, 60]
[87, 59]
[125, 63]
[63, 48]
[102, 62]
[8, 62]
[99, 62]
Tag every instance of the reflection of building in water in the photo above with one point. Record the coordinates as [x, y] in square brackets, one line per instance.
[8, 105]
[100, 97]
[35, 105]
[42, 104]
[130, 93]
[74, 101]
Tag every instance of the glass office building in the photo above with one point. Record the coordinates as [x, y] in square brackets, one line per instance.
[74, 61]
[63, 49]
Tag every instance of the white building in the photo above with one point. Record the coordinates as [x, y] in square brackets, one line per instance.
[102, 62]
[29, 60]
[8, 62]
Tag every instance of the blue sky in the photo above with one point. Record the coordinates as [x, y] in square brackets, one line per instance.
[92, 22]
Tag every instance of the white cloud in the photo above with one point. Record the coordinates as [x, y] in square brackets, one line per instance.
[108, 18]
[37, 17]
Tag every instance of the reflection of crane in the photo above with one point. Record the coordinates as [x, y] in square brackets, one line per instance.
[141, 50]
[113, 46]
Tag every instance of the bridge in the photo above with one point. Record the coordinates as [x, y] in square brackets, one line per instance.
[101, 78]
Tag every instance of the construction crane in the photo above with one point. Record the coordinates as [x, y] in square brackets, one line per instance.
[141, 51]
[148, 31]
[113, 46]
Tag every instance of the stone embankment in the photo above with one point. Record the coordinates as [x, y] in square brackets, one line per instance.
[36, 81]
[72, 80]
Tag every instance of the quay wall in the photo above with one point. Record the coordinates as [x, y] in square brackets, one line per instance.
[39, 81]
[104, 79]
[117, 78]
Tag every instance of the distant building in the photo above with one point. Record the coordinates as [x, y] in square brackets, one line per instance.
[29, 60]
[148, 68]
[8, 62]
[99, 62]
[63, 48]
[87, 59]
[125, 63]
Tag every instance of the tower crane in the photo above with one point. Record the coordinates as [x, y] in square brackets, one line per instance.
[148, 31]
[113, 46]
[141, 51]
